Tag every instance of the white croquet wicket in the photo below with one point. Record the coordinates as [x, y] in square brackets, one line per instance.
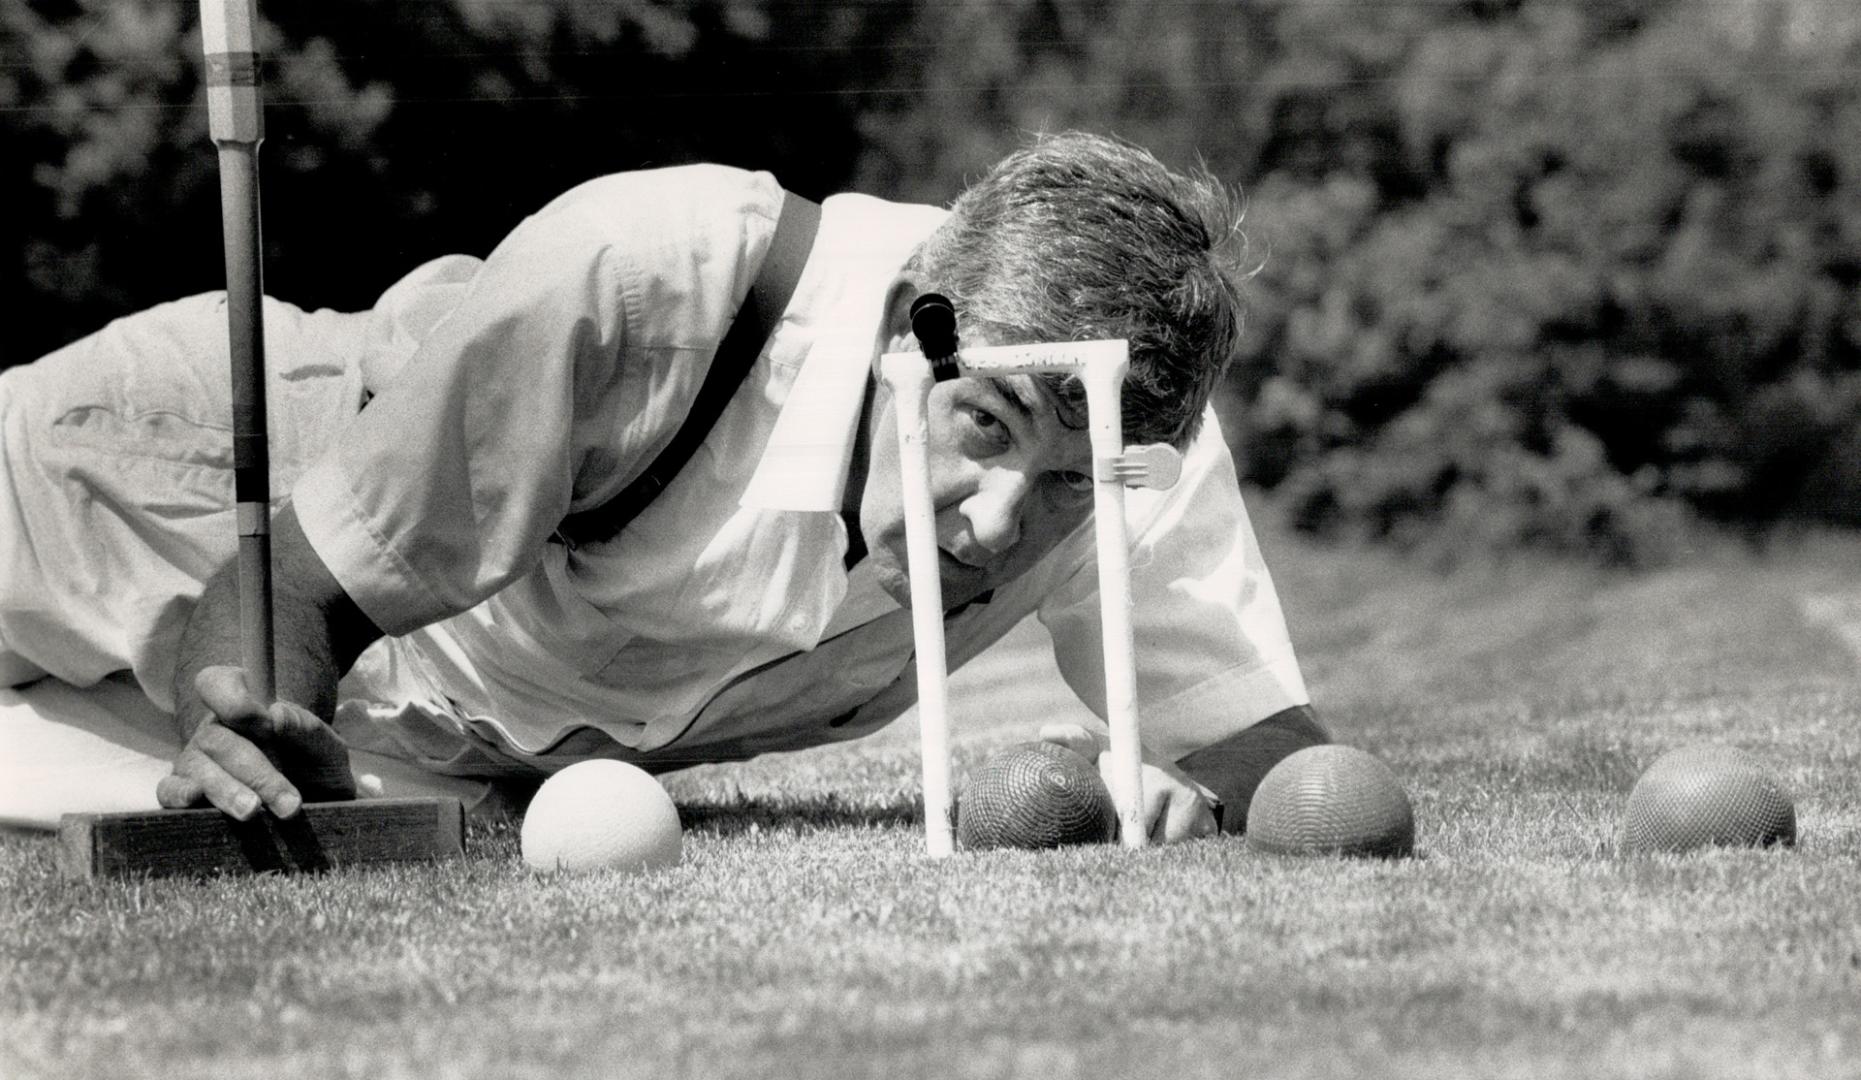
[1101, 366]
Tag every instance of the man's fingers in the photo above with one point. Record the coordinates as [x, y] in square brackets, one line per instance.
[219, 786]
[1108, 772]
[1063, 733]
[1173, 810]
[1179, 818]
[223, 689]
[1174, 806]
[1074, 737]
[249, 752]
[224, 686]
[1187, 817]
[248, 773]
[177, 792]
[1156, 806]
[311, 751]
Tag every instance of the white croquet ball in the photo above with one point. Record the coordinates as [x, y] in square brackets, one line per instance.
[601, 815]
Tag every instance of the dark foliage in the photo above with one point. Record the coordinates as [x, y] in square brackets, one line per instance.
[1529, 271]
[395, 131]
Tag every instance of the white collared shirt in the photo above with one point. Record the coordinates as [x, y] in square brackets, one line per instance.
[721, 622]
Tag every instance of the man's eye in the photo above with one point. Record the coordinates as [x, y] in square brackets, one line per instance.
[1068, 489]
[985, 430]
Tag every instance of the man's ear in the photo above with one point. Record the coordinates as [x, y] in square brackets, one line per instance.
[895, 328]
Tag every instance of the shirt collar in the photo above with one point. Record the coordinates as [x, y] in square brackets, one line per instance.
[862, 244]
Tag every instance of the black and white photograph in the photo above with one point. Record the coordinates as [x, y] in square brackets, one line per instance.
[946, 539]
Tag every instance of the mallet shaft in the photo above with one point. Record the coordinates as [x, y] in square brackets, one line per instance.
[235, 117]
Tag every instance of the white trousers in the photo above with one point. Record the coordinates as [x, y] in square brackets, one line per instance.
[116, 505]
[103, 748]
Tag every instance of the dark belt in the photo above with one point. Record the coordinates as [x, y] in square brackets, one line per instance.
[768, 297]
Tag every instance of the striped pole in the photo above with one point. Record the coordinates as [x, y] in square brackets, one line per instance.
[236, 121]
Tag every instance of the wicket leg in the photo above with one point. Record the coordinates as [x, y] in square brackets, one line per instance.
[1101, 365]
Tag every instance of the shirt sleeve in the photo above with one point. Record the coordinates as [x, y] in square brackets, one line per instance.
[1212, 652]
[446, 487]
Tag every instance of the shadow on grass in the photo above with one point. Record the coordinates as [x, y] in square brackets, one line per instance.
[730, 817]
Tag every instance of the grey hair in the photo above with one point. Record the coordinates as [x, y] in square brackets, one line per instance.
[1076, 237]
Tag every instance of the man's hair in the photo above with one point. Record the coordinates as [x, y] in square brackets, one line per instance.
[1077, 237]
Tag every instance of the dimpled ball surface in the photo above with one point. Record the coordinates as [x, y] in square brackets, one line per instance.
[601, 815]
[1331, 800]
[1699, 796]
[1035, 795]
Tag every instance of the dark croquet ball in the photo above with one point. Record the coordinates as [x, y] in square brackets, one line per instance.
[1035, 795]
[1700, 796]
[1331, 800]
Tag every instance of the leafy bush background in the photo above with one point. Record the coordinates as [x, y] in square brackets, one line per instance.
[1561, 274]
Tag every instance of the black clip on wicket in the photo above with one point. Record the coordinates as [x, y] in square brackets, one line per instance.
[933, 323]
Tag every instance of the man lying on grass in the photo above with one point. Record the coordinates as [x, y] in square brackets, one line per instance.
[439, 447]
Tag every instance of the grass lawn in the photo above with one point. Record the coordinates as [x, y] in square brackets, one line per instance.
[806, 935]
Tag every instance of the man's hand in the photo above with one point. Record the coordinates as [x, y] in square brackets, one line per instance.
[249, 752]
[1175, 807]
[242, 753]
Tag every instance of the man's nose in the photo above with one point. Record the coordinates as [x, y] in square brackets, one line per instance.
[994, 510]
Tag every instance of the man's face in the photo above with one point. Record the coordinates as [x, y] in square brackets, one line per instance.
[1009, 480]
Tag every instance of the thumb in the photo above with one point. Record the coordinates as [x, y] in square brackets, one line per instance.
[1075, 738]
[223, 689]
